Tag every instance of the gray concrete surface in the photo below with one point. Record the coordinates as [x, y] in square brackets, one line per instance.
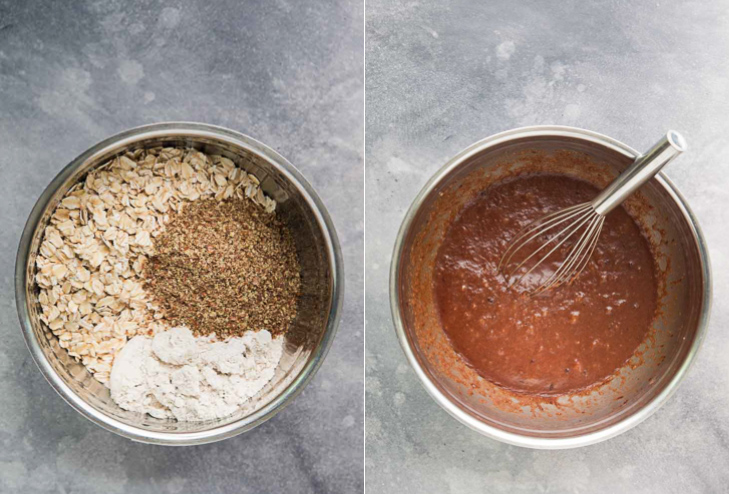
[288, 73]
[441, 75]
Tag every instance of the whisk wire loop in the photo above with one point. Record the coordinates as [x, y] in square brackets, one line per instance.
[577, 258]
[538, 228]
[561, 235]
[590, 216]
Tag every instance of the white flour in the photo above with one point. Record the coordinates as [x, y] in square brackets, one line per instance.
[177, 375]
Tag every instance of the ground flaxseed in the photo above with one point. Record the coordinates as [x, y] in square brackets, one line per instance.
[225, 268]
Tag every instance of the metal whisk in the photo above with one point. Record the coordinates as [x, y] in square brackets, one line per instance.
[583, 221]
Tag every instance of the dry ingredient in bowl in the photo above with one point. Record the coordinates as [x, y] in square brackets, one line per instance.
[225, 267]
[101, 235]
[175, 375]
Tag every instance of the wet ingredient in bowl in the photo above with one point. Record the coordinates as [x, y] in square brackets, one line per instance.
[564, 340]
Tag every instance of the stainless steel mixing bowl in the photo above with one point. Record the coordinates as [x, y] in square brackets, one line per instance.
[319, 306]
[649, 378]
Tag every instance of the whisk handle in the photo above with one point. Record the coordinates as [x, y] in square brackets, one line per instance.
[639, 172]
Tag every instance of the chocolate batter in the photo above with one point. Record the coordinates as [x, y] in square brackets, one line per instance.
[564, 340]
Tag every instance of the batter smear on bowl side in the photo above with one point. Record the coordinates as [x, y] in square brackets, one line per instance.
[564, 340]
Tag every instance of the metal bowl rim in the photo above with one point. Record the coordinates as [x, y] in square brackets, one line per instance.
[190, 130]
[519, 439]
